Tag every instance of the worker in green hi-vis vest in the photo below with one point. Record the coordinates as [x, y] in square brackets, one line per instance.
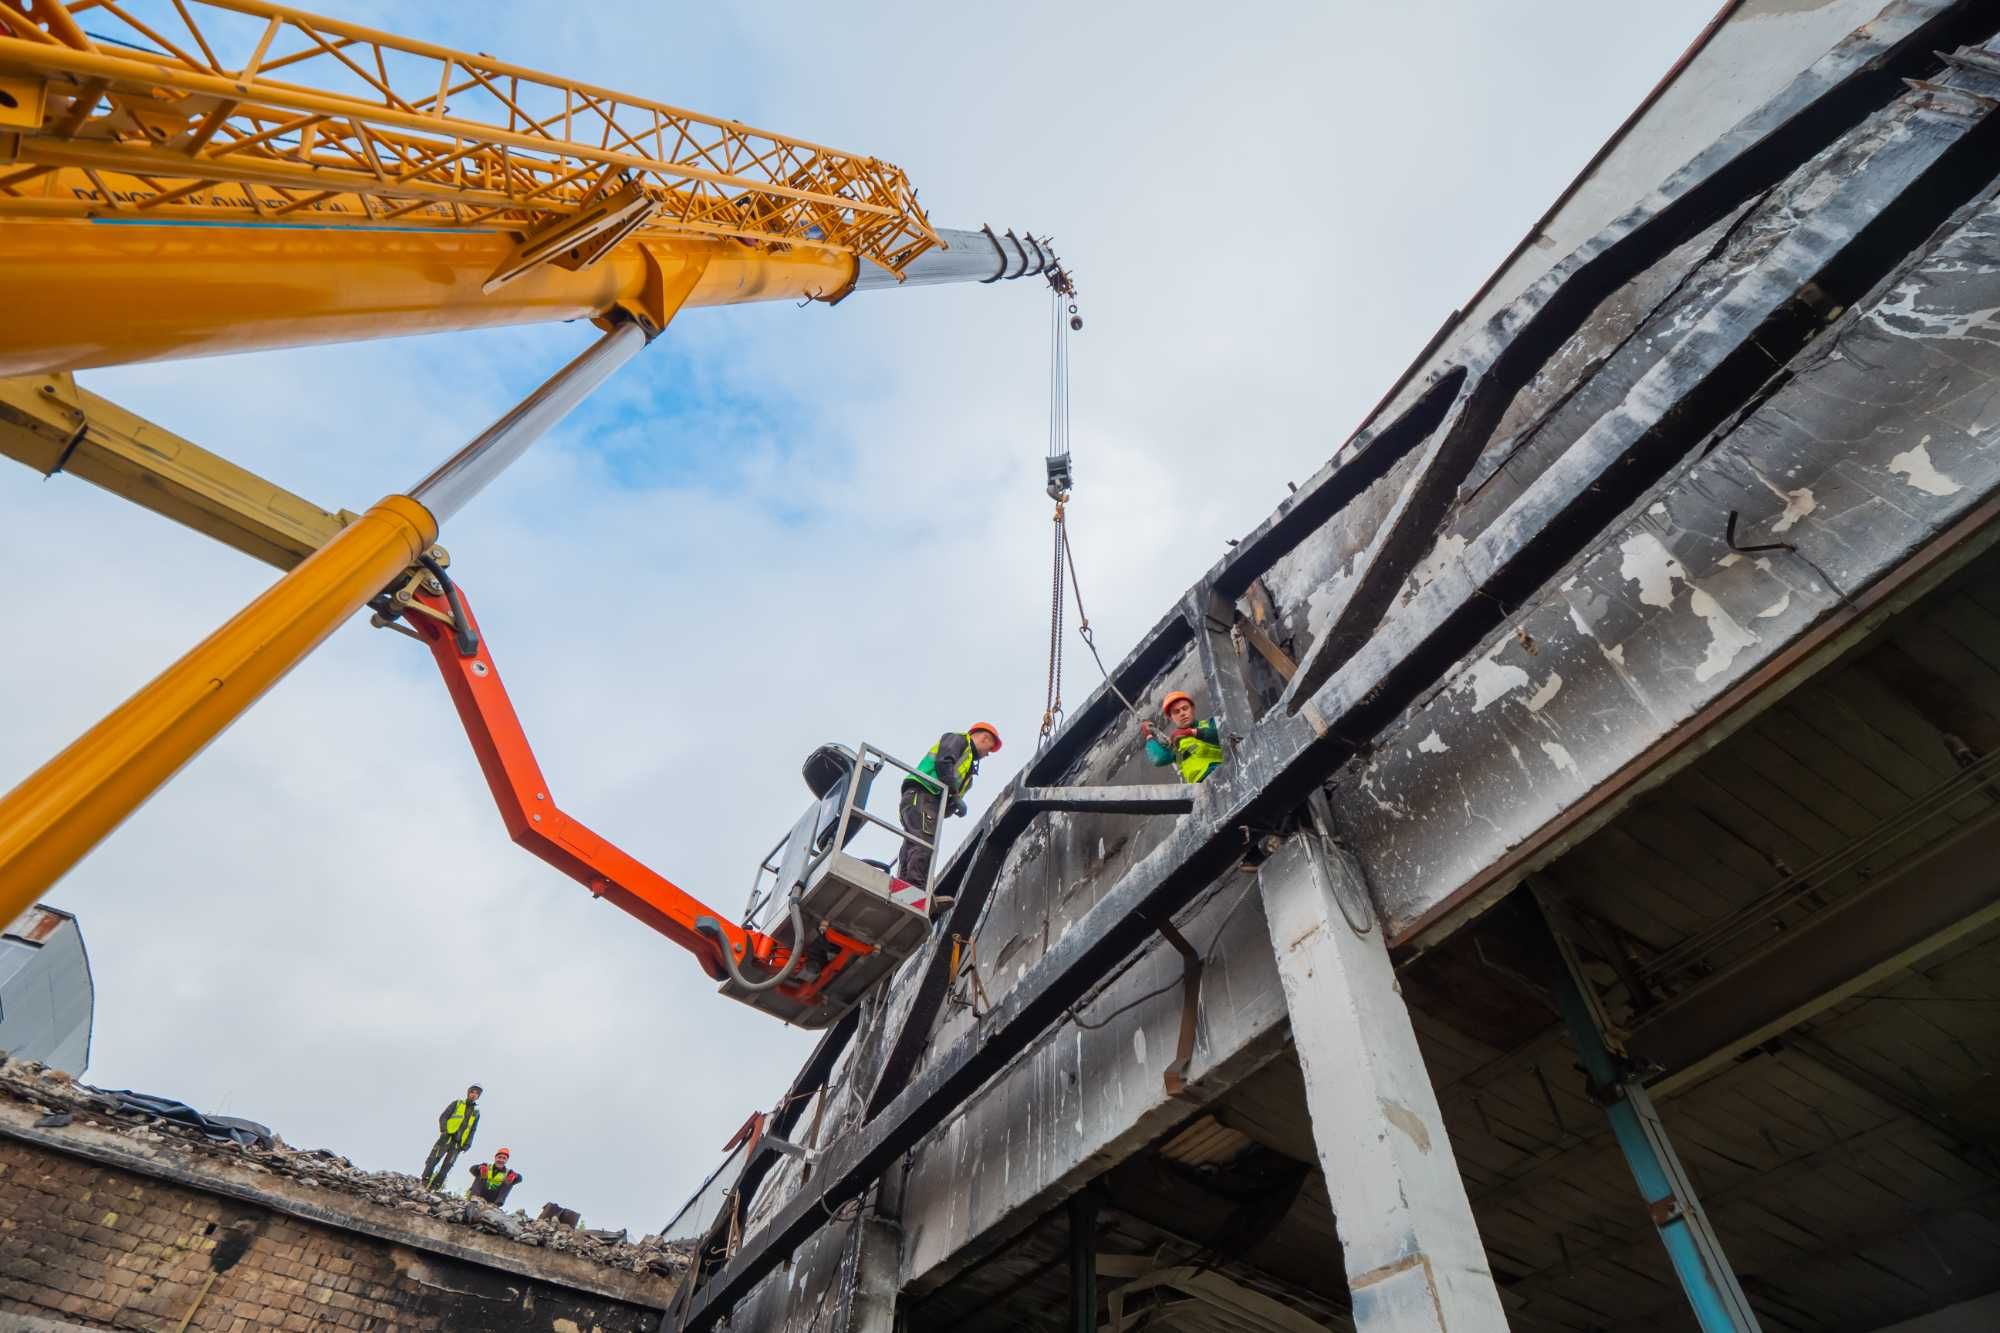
[936, 789]
[1193, 747]
[492, 1183]
[457, 1123]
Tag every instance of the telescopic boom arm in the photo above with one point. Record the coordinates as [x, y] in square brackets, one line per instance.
[436, 611]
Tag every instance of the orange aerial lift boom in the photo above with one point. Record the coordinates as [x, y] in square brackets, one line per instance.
[809, 972]
[205, 176]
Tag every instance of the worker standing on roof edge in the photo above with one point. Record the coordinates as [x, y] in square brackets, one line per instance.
[1195, 748]
[493, 1183]
[457, 1123]
[936, 789]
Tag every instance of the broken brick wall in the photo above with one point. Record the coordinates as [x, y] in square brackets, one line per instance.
[95, 1245]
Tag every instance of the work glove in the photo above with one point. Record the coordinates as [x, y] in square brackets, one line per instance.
[1146, 730]
[1183, 733]
[957, 805]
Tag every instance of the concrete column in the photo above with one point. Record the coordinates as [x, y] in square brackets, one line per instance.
[868, 1276]
[1083, 1262]
[1414, 1260]
[872, 1266]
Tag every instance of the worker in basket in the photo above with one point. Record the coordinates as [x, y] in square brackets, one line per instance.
[936, 789]
[457, 1123]
[493, 1183]
[1193, 747]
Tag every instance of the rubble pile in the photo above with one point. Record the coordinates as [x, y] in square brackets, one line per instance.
[64, 1101]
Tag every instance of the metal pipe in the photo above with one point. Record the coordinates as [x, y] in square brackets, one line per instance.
[1713, 1291]
[445, 491]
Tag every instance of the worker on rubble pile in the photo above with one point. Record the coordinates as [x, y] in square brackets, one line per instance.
[1193, 747]
[492, 1183]
[457, 1123]
[936, 789]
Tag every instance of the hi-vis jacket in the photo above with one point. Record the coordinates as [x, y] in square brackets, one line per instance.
[1196, 754]
[459, 1122]
[949, 767]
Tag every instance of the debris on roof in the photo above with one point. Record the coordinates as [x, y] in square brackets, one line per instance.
[162, 1123]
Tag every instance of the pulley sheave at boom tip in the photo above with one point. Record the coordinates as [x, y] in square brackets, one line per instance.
[277, 178]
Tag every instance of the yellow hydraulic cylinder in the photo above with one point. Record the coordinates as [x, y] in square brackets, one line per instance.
[72, 802]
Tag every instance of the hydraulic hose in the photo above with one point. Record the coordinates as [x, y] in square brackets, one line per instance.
[708, 925]
[461, 626]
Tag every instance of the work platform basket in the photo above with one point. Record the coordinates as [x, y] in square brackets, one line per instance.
[841, 897]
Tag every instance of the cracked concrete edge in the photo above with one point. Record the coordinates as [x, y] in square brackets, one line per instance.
[28, 1323]
[356, 1215]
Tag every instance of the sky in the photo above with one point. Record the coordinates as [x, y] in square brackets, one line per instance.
[778, 527]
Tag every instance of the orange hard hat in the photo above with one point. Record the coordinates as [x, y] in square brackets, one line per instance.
[504, 1152]
[1177, 697]
[988, 728]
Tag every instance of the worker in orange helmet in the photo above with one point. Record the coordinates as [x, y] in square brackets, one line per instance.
[492, 1183]
[1193, 747]
[937, 788]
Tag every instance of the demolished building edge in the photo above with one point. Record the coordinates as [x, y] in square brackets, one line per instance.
[1899, 21]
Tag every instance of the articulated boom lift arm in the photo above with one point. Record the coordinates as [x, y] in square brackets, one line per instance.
[437, 613]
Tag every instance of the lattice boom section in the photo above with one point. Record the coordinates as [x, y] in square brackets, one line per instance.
[235, 109]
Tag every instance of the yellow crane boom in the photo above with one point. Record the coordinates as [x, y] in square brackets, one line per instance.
[188, 177]
[206, 176]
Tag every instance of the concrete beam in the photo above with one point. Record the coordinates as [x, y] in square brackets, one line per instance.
[1151, 799]
[1900, 918]
[1415, 1263]
[1661, 639]
[1082, 1100]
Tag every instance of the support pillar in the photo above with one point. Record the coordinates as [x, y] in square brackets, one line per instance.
[871, 1270]
[1083, 1262]
[868, 1282]
[1696, 1251]
[1415, 1263]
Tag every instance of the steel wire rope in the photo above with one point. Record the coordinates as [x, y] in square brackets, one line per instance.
[1057, 469]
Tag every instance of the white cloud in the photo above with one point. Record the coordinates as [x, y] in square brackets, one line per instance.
[320, 924]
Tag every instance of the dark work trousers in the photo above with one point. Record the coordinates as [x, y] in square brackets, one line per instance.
[919, 811]
[444, 1156]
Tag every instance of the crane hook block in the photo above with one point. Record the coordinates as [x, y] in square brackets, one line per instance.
[1059, 476]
